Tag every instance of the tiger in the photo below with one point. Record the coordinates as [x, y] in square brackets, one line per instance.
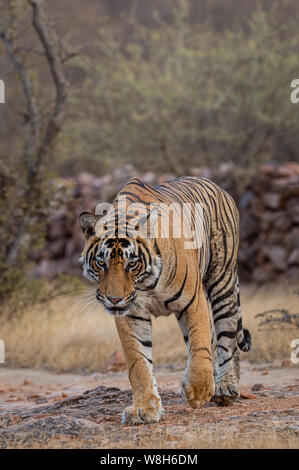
[140, 275]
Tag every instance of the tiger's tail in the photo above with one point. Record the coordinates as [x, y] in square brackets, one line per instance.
[243, 335]
[244, 340]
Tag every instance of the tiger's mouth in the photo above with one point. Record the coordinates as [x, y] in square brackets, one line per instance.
[118, 310]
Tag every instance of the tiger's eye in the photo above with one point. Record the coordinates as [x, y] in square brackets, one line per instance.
[133, 264]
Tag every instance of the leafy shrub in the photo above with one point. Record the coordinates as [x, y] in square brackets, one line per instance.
[178, 94]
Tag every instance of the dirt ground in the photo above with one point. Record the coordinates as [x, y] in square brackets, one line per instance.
[42, 409]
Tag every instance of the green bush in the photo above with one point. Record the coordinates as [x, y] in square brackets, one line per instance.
[178, 95]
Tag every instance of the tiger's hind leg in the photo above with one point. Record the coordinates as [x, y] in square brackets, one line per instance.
[225, 301]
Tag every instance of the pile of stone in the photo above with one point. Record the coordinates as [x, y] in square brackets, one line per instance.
[269, 224]
[269, 211]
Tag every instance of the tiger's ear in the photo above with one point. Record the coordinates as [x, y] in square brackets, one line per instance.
[87, 223]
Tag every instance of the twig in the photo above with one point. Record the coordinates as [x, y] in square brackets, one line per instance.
[278, 316]
[60, 82]
[32, 110]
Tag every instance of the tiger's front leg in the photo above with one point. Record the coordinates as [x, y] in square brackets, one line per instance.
[198, 382]
[135, 333]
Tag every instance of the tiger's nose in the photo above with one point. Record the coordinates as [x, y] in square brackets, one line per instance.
[114, 300]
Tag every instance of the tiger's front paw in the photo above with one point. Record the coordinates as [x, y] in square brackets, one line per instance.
[198, 386]
[141, 415]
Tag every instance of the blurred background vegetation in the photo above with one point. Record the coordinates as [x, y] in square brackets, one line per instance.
[165, 86]
[184, 90]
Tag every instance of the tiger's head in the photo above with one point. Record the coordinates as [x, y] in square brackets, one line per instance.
[121, 266]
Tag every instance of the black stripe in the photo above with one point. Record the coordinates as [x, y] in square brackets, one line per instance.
[223, 296]
[217, 310]
[134, 317]
[149, 360]
[178, 294]
[200, 349]
[228, 359]
[173, 272]
[147, 250]
[190, 303]
[158, 253]
[147, 344]
[226, 315]
[152, 286]
[227, 334]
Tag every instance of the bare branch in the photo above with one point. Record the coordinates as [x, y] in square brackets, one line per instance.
[278, 317]
[60, 82]
[32, 110]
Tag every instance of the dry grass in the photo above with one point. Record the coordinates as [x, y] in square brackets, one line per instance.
[179, 437]
[269, 342]
[67, 336]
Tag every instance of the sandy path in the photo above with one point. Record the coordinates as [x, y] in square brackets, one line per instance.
[36, 405]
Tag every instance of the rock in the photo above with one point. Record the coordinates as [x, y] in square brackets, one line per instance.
[87, 191]
[246, 199]
[294, 257]
[288, 169]
[278, 256]
[204, 172]
[149, 177]
[286, 184]
[247, 396]
[263, 273]
[249, 227]
[96, 376]
[282, 222]
[272, 200]
[293, 273]
[268, 169]
[225, 169]
[116, 362]
[294, 428]
[292, 238]
[257, 387]
[292, 207]
[166, 177]
[98, 183]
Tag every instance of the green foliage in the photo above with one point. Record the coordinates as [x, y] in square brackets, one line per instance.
[178, 95]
